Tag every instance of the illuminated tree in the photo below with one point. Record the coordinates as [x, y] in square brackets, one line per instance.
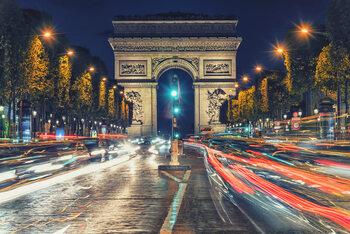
[122, 111]
[300, 61]
[63, 81]
[333, 70]
[264, 101]
[35, 71]
[83, 92]
[111, 103]
[247, 104]
[102, 96]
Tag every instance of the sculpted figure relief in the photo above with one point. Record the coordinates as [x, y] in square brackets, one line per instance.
[135, 98]
[215, 98]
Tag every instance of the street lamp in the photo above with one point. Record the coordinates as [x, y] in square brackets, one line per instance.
[70, 52]
[47, 34]
[176, 110]
[121, 92]
[236, 85]
[114, 87]
[300, 113]
[285, 116]
[316, 111]
[104, 79]
[258, 68]
[91, 69]
[245, 78]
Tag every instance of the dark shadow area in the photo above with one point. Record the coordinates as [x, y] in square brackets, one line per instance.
[164, 107]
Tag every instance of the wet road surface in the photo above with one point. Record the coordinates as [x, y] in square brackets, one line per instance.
[131, 196]
[198, 213]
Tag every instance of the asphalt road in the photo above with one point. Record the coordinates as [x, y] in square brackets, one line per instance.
[129, 195]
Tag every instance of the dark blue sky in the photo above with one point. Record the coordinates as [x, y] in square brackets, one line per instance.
[261, 22]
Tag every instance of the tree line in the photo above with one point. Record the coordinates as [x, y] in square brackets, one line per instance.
[316, 60]
[62, 85]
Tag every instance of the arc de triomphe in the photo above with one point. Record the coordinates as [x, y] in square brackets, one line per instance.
[147, 46]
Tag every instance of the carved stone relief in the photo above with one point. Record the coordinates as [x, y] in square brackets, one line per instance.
[132, 68]
[157, 61]
[215, 98]
[135, 98]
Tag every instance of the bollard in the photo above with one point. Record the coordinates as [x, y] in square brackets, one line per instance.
[174, 152]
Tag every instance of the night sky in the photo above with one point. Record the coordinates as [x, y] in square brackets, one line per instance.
[261, 23]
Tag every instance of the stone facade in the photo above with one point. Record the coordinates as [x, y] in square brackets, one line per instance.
[140, 61]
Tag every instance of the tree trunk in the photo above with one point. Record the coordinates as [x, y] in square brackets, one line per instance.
[9, 115]
[14, 114]
[346, 96]
[20, 119]
[339, 112]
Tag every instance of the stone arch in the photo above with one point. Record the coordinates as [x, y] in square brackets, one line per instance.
[175, 63]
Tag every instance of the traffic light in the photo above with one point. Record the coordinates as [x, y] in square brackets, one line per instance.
[173, 93]
[176, 110]
[177, 133]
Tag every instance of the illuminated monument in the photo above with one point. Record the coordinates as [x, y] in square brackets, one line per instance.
[203, 46]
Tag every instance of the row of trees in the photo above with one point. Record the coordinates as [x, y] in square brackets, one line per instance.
[64, 85]
[315, 58]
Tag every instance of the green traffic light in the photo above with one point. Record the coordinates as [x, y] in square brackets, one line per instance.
[176, 110]
[177, 135]
[174, 93]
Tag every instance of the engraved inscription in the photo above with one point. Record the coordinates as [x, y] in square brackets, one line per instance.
[133, 68]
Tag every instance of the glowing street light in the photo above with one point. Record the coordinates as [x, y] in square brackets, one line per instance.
[280, 50]
[91, 69]
[304, 30]
[47, 34]
[70, 52]
[236, 85]
[114, 87]
[245, 78]
[121, 92]
[104, 79]
[173, 93]
[258, 68]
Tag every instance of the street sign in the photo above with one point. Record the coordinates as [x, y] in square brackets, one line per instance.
[295, 114]
[278, 123]
[295, 125]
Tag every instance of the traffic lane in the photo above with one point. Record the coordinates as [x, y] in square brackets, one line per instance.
[204, 209]
[290, 154]
[278, 196]
[127, 197]
[47, 160]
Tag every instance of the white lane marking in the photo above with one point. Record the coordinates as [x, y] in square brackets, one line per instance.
[171, 176]
[170, 220]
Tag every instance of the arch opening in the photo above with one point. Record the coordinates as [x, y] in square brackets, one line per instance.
[185, 118]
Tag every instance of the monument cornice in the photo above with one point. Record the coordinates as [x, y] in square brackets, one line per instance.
[174, 44]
